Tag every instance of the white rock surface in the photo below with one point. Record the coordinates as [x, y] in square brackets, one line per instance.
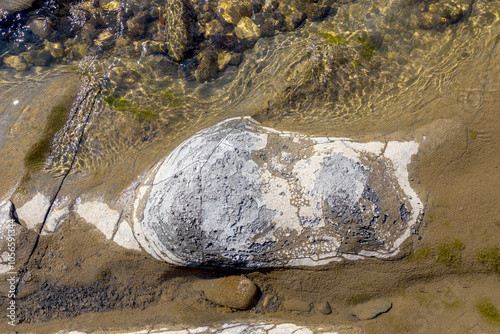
[100, 215]
[125, 236]
[238, 194]
[33, 212]
[242, 328]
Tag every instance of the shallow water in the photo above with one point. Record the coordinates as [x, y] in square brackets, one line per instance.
[296, 81]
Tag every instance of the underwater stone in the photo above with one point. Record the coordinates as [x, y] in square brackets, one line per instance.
[180, 28]
[242, 195]
[15, 5]
[246, 29]
[371, 309]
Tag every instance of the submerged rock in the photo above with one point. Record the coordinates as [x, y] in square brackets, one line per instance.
[237, 292]
[241, 195]
[15, 5]
[180, 28]
[371, 309]
[17, 62]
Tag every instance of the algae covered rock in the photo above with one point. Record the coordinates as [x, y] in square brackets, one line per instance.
[237, 292]
[241, 195]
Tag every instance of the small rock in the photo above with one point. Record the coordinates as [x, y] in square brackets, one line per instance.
[237, 292]
[106, 40]
[208, 66]
[44, 58]
[77, 50]
[246, 29]
[429, 20]
[322, 307]
[269, 27]
[212, 28]
[180, 28]
[16, 62]
[297, 305]
[30, 56]
[138, 24]
[371, 309]
[234, 10]
[293, 16]
[269, 303]
[56, 49]
[223, 60]
[40, 26]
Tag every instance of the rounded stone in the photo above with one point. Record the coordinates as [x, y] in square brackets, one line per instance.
[236, 292]
[40, 26]
[242, 195]
[322, 307]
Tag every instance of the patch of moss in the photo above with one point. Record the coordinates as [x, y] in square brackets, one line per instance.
[490, 257]
[472, 134]
[367, 48]
[35, 158]
[172, 98]
[420, 255]
[121, 104]
[450, 253]
[488, 311]
[332, 38]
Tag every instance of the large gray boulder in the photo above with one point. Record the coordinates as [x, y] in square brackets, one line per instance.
[242, 195]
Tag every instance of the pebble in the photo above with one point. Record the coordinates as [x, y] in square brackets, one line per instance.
[236, 292]
[246, 29]
[16, 62]
[40, 26]
[322, 307]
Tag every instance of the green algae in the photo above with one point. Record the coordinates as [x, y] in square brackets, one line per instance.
[332, 38]
[450, 253]
[359, 298]
[171, 98]
[36, 155]
[488, 311]
[490, 257]
[420, 255]
[367, 48]
[119, 103]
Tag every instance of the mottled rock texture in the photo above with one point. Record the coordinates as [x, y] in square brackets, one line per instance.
[241, 195]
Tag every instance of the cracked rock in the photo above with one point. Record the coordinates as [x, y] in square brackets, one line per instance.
[241, 195]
